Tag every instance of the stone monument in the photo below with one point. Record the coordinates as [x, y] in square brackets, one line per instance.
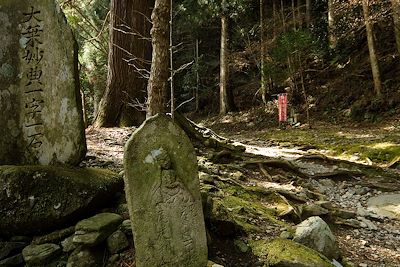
[41, 120]
[163, 195]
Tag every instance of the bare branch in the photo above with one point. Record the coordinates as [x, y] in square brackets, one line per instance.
[146, 17]
[183, 67]
[185, 102]
[131, 33]
[102, 27]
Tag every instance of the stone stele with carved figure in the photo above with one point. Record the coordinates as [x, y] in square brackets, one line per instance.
[41, 120]
[163, 195]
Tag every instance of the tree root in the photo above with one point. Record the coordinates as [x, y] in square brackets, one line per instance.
[281, 164]
[206, 136]
[393, 164]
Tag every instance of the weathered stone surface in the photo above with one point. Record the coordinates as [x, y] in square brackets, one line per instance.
[386, 205]
[25, 239]
[96, 229]
[88, 257]
[126, 227]
[309, 210]
[316, 234]
[117, 242]
[68, 245]
[40, 254]
[41, 121]
[16, 260]
[37, 199]
[54, 237]
[287, 253]
[113, 260]
[213, 264]
[8, 249]
[162, 188]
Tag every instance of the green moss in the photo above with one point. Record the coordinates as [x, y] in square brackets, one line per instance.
[248, 209]
[282, 252]
[379, 145]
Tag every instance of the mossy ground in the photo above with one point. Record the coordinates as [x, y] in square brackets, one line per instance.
[378, 145]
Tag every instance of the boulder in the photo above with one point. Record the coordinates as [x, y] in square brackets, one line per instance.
[113, 260]
[8, 249]
[41, 121]
[213, 264]
[126, 227]
[40, 254]
[87, 257]
[387, 205]
[54, 237]
[38, 199]
[25, 239]
[117, 242]
[16, 260]
[94, 230]
[287, 253]
[309, 210]
[316, 234]
[68, 245]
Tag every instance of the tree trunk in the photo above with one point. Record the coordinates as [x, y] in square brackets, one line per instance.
[262, 48]
[196, 95]
[83, 99]
[331, 24]
[274, 19]
[294, 14]
[308, 13]
[299, 14]
[396, 21]
[171, 60]
[224, 68]
[128, 56]
[158, 83]
[371, 47]
[283, 16]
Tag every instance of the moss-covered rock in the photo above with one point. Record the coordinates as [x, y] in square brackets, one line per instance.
[37, 199]
[39, 255]
[286, 253]
[94, 230]
[86, 256]
[117, 242]
[234, 209]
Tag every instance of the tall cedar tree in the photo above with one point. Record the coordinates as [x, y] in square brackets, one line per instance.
[129, 51]
[396, 20]
[371, 46]
[157, 88]
[225, 100]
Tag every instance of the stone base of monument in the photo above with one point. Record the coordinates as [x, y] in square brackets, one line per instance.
[38, 199]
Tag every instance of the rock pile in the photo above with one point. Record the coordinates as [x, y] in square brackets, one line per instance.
[91, 241]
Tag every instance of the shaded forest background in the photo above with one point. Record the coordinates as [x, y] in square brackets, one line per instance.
[317, 51]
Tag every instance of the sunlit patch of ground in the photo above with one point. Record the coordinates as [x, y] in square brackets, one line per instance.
[106, 147]
[371, 144]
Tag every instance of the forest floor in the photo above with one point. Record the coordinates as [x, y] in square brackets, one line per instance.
[354, 171]
[376, 145]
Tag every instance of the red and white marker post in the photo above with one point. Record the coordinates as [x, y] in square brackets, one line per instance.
[282, 105]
